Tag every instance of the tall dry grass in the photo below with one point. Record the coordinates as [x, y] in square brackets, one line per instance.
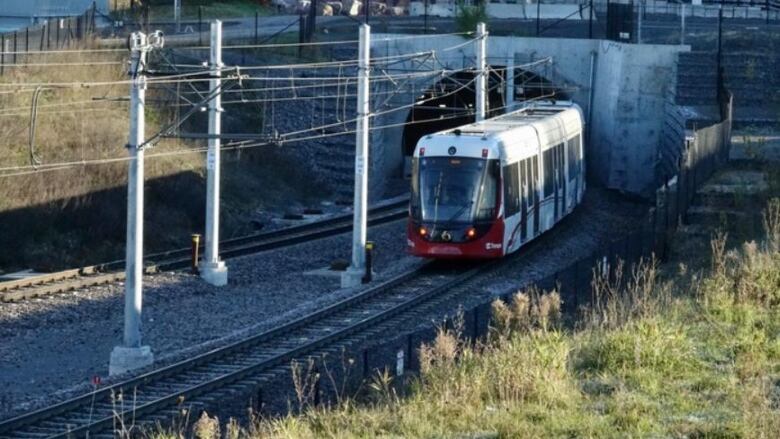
[679, 355]
[72, 125]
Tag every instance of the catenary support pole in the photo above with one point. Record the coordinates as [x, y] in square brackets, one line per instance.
[509, 101]
[177, 14]
[213, 270]
[481, 83]
[355, 272]
[132, 354]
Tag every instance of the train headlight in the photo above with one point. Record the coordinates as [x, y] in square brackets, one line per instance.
[471, 233]
[423, 231]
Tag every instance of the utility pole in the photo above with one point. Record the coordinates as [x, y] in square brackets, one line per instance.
[481, 83]
[509, 75]
[213, 270]
[177, 14]
[682, 23]
[131, 354]
[355, 272]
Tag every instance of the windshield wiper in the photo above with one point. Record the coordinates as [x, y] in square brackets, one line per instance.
[460, 211]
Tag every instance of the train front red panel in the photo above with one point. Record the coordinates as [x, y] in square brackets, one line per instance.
[487, 246]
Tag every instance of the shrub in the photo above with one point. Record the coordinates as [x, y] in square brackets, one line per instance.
[468, 16]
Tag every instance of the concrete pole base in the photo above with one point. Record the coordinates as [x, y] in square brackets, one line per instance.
[214, 273]
[124, 359]
[352, 277]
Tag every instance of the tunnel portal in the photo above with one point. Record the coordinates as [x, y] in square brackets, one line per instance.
[450, 102]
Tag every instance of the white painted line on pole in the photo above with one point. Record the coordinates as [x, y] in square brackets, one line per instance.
[481, 85]
[355, 272]
[213, 270]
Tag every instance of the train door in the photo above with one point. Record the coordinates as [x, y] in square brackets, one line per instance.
[555, 170]
[573, 169]
[534, 162]
[523, 165]
[562, 176]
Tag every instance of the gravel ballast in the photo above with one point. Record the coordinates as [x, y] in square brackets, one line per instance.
[53, 347]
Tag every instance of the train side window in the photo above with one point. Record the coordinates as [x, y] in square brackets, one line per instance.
[535, 177]
[415, 198]
[573, 147]
[547, 162]
[511, 190]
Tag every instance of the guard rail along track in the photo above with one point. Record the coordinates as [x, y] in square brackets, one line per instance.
[23, 289]
[245, 366]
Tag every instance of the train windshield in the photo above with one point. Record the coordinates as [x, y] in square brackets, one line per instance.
[453, 189]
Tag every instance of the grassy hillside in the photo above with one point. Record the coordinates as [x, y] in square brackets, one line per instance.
[673, 354]
[73, 214]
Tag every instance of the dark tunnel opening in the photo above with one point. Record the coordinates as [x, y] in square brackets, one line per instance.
[450, 102]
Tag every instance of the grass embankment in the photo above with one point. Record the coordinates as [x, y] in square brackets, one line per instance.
[73, 124]
[669, 355]
[74, 214]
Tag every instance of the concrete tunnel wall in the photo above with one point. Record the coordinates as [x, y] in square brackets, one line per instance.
[631, 84]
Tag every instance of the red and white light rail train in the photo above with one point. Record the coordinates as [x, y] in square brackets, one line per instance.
[485, 189]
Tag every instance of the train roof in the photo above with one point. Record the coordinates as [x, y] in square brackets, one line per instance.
[532, 114]
[518, 133]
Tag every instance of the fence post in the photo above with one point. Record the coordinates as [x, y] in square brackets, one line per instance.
[538, 16]
[15, 47]
[26, 42]
[639, 22]
[94, 10]
[2, 54]
[590, 23]
[43, 36]
[59, 24]
[766, 2]
[256, 30]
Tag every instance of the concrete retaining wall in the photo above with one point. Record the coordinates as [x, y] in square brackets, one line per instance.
[631, 86]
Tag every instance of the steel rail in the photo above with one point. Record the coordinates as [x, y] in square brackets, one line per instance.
[110, 272]
[247, 359]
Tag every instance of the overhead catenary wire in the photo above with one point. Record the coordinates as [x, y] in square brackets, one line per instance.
[282, 139]
[243, 144]
[180, 77]
[319, 128]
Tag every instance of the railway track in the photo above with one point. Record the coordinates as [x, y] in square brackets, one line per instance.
[245, 366]
[68, 280]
